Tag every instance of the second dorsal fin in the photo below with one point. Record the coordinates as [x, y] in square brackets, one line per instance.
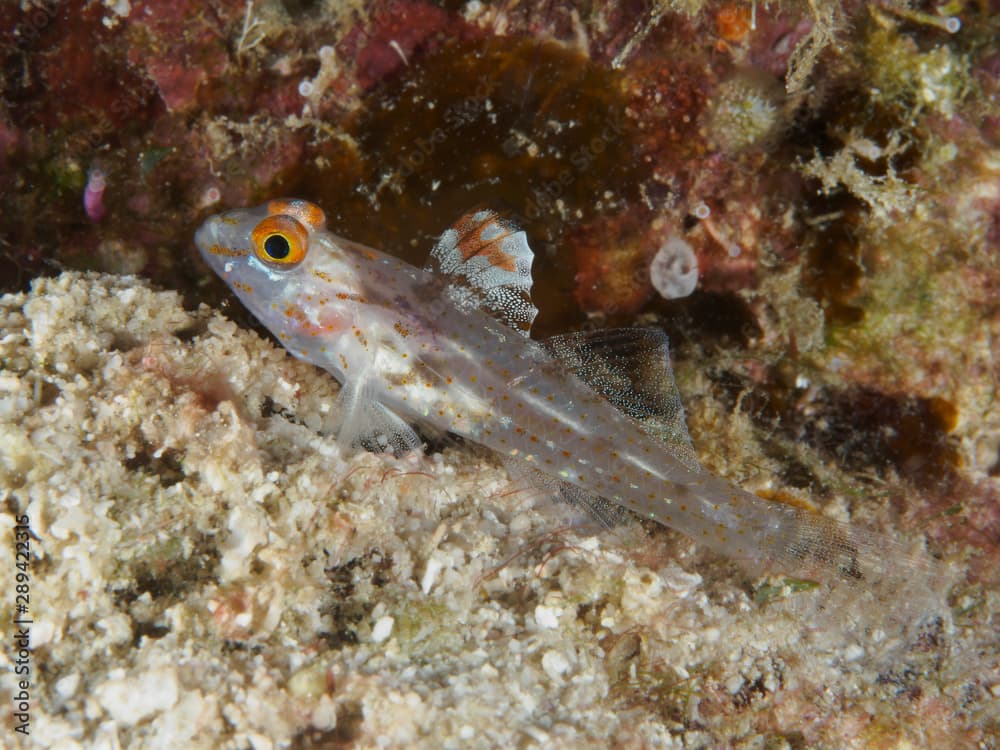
[487, 262]
[630, 367]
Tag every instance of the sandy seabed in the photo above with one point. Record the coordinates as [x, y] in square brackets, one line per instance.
[209, 570]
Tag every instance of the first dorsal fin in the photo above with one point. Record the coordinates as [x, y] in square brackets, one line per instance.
[487, 262]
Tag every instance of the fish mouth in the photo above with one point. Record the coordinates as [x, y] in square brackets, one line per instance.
[206, 236]
[214, 247]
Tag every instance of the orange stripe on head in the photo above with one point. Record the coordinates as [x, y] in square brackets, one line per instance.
[228, 252]
[329, 321]
[308, 213]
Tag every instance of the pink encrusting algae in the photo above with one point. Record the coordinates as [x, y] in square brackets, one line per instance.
[593, 416]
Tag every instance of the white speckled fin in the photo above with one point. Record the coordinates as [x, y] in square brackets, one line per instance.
[630, 367]
[487, 261]
[367, 423]
[607, 513]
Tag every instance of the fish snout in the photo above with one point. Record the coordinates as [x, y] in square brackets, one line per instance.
[207, 235]
[217, 246]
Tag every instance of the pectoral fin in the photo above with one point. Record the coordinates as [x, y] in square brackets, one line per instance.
[369, 424]
[607, 513]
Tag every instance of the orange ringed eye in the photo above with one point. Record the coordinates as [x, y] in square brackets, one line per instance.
[280, 241]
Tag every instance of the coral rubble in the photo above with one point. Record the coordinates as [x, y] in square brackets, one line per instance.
[208, 568]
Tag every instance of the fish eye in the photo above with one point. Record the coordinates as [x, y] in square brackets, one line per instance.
[277, 247]
[280, 241]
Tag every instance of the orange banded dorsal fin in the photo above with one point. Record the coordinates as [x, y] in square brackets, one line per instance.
[487, 262]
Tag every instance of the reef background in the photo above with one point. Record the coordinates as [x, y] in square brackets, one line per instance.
[211, 570]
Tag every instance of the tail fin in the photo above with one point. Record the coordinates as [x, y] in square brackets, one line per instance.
[866, 578]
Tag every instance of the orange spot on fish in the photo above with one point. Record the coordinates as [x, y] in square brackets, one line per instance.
[344, 296]
[303, 211]
[322, 275]
[227, 252]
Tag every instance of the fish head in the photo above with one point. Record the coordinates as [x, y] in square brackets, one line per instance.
[274, 254]
[266, 242]
[295, 277]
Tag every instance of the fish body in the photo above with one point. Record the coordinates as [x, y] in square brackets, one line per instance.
[447, 346]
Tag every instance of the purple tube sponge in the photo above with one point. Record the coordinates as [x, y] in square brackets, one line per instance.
[93, 195]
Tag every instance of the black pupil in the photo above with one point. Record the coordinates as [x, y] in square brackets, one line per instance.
[277, 247]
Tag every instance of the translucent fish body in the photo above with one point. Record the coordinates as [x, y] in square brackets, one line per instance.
[595, 416]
